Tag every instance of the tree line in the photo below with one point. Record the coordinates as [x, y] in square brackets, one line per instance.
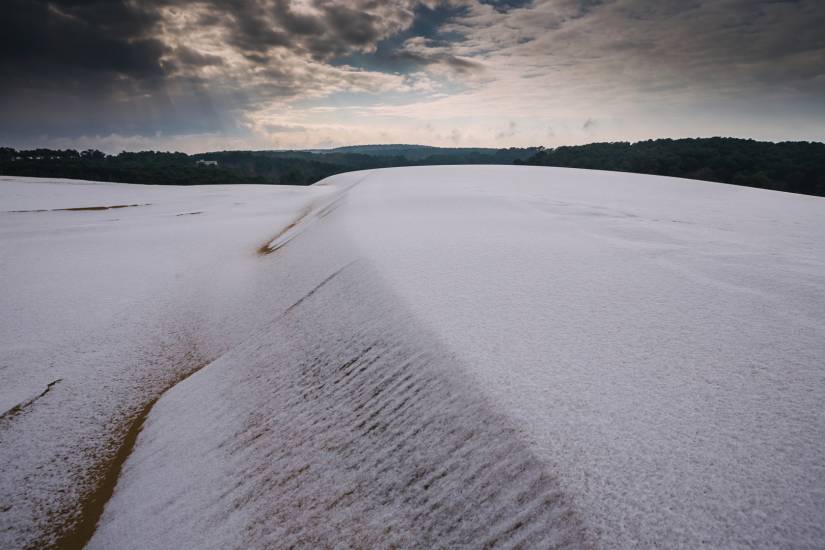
[797, 167]
[227, 167]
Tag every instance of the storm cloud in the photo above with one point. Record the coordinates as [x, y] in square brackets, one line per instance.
[235, 68]
[153, 66]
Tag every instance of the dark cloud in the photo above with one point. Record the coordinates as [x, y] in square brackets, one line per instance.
[191, 57]
[739, 45]
[352, 27]
[178, 66]
[297, 23]
[119, 66]
[53, 38]
[503, 6]
[71, 65]
[328, 29]
[122, 36]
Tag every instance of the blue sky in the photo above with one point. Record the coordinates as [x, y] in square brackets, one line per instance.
[267, 74]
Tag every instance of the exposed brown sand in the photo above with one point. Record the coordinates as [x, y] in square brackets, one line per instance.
[77, 532]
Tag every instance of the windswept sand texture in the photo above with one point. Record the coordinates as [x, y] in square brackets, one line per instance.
[340, 424]
[432, 357]
[117, 311]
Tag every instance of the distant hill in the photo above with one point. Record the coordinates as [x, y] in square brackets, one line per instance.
[411, 151]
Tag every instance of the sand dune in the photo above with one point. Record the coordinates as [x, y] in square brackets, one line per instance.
[422, 357]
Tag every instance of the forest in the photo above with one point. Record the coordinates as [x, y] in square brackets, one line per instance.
[267, 167]
[797, 167]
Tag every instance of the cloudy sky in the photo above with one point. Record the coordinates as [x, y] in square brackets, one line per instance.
[271, 74]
